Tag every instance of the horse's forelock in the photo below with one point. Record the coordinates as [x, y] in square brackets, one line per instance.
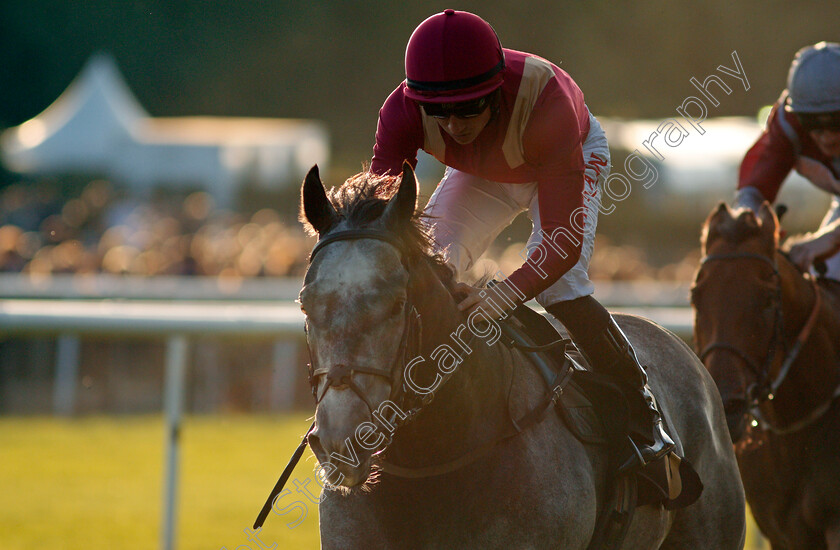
[362, 198]
[361, 201]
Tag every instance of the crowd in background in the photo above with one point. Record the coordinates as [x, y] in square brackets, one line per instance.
[47, 228]
[103, 231]
[100, 230]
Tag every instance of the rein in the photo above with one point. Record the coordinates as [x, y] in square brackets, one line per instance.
[764, 390]
[529, 419]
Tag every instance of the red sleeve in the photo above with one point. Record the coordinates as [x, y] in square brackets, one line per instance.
[399, 134]
[769, 160]
[552, 143]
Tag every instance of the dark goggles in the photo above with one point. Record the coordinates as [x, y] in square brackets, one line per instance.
[819, 121]
[462, 109]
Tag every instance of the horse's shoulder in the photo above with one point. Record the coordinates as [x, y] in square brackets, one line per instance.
[645, 331]
[670, 360]
[627, 320]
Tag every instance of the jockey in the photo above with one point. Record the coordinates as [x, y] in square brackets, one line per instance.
[515, 134]
[802, 132]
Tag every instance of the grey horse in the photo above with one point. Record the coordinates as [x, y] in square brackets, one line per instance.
[404, 383]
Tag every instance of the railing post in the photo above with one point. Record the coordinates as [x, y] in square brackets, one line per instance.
[173, 404]
[284, 375]
[66, 372]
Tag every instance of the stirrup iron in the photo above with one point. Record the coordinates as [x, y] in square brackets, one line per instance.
[663, 444]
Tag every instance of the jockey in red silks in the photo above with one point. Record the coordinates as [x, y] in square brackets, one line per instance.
[802, 132]
[515, 135]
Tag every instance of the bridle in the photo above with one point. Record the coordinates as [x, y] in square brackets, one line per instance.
[764, 389]
[341, 375]
[410, 402]
[759, 391]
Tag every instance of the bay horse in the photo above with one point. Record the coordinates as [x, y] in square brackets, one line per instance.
[770, 337]
[416, 401]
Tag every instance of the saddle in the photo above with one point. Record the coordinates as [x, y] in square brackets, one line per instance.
[595, 410]
[591, 405]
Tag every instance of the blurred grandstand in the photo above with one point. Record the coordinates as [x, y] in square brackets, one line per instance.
[102, 234]
[104, 231]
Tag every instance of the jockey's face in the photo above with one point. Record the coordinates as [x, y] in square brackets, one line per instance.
[828, 140]
[464, 130]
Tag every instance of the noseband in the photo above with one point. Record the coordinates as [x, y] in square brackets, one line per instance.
[764, 389]
[341, 375]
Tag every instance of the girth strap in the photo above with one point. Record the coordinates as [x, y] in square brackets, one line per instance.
[614, 520]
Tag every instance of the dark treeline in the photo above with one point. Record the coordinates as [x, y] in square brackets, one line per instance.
[338, 60]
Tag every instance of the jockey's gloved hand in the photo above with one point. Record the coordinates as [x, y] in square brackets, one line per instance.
[494, 302]
[814, 248]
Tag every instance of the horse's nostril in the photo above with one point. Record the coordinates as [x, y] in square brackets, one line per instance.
[315, 445]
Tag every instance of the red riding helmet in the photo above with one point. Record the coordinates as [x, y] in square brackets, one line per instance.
[453, 56]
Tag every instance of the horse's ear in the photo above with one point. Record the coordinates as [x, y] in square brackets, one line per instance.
[720, 213]
[769, 222]
[316, 211]
[718, 216]
[401, 207]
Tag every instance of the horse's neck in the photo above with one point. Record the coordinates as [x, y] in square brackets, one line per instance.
[469, 406]
[799, 296]
[816, 371]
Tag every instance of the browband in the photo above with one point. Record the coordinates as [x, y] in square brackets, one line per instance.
[355, 234]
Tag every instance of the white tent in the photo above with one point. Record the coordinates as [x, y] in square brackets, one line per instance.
[97, 127]
[701, 169]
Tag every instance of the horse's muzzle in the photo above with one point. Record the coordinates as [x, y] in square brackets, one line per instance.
[343, 464]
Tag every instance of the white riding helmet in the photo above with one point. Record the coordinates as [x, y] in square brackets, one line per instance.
[814, 79]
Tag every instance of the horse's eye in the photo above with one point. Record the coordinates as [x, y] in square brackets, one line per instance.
[398, 308]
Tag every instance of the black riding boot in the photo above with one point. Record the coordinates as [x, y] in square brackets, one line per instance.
[610, 353]
[649, 441]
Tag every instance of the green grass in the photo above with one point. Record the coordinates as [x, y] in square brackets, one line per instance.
[96, 483]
